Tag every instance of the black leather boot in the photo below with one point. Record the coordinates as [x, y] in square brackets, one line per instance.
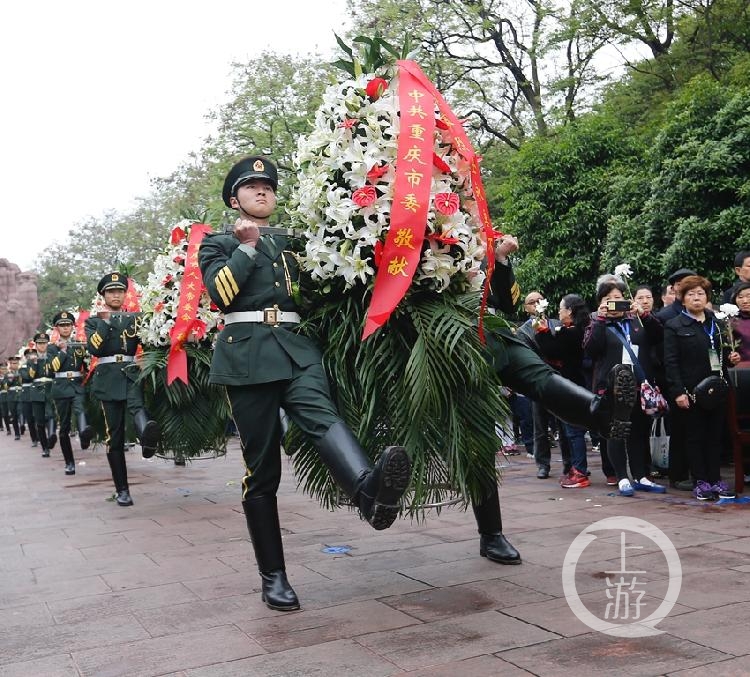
[51, 434]
[148, 432]
[262, 516]
[67, 452]
[85, 431]
[492, 544]
[377, 490]
[608, 414]
[40, 432]
[120, 478]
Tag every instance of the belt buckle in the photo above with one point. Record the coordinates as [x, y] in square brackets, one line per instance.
[271, 315]
[70, 374]
[118, 358]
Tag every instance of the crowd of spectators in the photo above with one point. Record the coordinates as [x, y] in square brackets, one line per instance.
[685, 350]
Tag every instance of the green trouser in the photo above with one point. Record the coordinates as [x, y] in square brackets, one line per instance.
[519, 367]
[306, 399]
[66, 407]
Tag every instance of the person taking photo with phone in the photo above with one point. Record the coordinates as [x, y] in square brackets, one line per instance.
[623, 332]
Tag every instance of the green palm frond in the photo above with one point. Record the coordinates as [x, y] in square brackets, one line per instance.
[422, 381]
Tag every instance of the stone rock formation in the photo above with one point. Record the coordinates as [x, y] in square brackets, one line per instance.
[19, 308]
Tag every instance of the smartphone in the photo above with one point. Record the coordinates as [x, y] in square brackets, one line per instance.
[618, 306]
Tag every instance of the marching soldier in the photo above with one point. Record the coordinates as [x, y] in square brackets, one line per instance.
[41, 399]
[13, 387]
[523, 371]
[26, 413]
[112, 337]
[4, 410]
[265, 364]
[67, 367]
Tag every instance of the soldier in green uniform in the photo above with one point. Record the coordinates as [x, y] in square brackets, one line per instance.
[523, 371]
[13, 387]
[40, 394]
[26, 413]
[266, 363]
[68, 369]
[4, 409]
[112, 337]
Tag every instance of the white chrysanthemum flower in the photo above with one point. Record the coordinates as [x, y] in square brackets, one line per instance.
[624, 271]
[728, 310]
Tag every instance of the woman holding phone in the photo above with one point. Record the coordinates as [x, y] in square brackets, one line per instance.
[623, 332]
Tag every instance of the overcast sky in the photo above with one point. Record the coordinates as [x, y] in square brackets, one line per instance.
[99, 97]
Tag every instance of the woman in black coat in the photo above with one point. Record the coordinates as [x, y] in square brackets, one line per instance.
[692, 352]
[562, 346]
[604, 344]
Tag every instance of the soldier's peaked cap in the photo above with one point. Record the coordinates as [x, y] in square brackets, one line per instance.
[63, 317]
[41, 336]
[254, 167]
[112, 281]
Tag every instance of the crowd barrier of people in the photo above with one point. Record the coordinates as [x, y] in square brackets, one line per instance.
[682, 356]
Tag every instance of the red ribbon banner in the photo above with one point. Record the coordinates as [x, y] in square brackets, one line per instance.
[454, 130]
[187, 309]
[411, 200]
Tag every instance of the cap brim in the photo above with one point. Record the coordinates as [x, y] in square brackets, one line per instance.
[249, 176]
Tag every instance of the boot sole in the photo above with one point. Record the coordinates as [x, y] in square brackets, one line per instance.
[624, 394]
[394, 481]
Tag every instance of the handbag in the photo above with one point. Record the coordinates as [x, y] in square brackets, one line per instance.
[659, 445]
[710, 393]
[653, 402]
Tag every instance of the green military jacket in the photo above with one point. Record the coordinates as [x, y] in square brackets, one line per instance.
[241, 278]
[504, 295]
[41, 375]
[112, 338]
[70, 362]
[3, 389]
[12, 384]
[26, 373]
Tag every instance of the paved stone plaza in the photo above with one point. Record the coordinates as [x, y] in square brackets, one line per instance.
[169, 586]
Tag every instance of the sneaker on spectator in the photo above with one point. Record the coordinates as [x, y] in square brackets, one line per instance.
[611, 481]
[626, 488]
[575, 479]
[645, 484]
[723, 490]
[529, 455]
[704, 491]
